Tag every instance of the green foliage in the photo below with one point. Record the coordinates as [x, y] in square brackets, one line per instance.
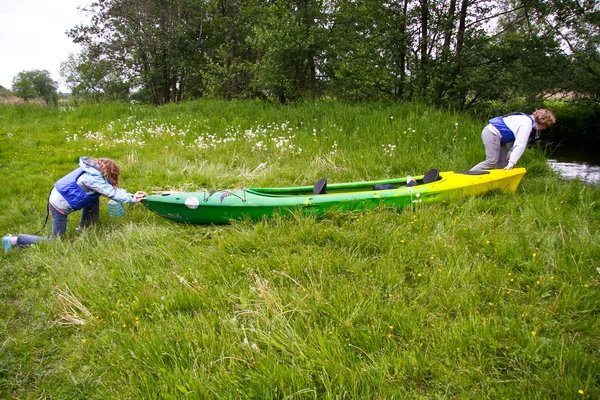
[484, 297]
[90, 76]
[575, 122]
[581, 21]
[148, 43]
[4, 91]
[35, 84]
[452, 54]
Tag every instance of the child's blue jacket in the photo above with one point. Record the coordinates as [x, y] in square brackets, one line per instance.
[92, 182]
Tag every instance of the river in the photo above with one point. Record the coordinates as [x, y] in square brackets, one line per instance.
[580, 161]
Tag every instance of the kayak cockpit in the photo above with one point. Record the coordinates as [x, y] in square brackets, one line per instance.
[321, 187]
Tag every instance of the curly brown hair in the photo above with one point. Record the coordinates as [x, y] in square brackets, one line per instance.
[110, 170]
[545, 117]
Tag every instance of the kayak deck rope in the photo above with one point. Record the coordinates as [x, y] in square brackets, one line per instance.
[225, 193]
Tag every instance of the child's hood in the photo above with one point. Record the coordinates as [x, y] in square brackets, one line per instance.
[90, 166]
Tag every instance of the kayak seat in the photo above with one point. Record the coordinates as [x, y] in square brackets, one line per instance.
[321, 186]
[431, 176]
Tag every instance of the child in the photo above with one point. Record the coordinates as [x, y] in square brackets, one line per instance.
[79, 190]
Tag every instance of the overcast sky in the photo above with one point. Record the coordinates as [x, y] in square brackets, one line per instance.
[32, 36]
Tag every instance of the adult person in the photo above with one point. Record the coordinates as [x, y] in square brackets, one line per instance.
[79, 190]
[505, 138]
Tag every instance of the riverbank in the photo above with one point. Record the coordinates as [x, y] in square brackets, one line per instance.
[484, 297]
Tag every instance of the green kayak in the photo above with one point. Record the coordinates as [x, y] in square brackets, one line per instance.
[222, 206]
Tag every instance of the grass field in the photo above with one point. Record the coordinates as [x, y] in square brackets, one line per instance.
[492, 297]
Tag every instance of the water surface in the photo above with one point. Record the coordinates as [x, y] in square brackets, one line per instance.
[577, 161]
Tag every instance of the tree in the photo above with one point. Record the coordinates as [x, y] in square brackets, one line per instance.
[290, 39]
[35, 84]
[368, 53]
[153, 44]
[451, 53]
[4, 92]
[577, 26]
[89, 74]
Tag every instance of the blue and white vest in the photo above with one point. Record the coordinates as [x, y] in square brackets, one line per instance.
[507, 135]
[76, 197]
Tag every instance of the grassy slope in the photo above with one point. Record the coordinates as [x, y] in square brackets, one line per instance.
[492, 297]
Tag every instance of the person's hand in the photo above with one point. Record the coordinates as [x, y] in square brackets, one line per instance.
[139, 196]
[508, 157]
[508, 167]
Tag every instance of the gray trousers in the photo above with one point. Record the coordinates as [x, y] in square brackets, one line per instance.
[495, 152]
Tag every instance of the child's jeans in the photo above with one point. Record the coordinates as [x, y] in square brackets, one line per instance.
[89, 216]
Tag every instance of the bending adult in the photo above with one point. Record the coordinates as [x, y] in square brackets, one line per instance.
[505, 138]
[79, 190]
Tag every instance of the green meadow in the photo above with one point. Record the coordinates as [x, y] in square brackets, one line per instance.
[494, 296]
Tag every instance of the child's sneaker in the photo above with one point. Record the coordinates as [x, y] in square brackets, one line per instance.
[7, 242]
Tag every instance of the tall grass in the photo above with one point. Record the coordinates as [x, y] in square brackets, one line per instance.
[487, 297]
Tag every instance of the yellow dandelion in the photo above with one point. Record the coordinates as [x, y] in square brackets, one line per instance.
[488, 242]
[391, 327]
[83, 340]
[389, 335]
[491, 304]
[420, 275]
[533, 333]
[331, 332]
[586, 285]
[390, 295]
[552, 277]
[510, 273]
[581, 391]
[539, 283]
[124, 325]
[534, 255]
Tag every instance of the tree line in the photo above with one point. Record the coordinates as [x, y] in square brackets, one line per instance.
[458, 54]
[32, 85]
